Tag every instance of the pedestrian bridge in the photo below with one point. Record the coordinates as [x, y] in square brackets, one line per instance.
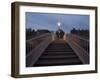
[47, 50]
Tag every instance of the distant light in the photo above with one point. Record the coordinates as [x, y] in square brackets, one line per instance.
[35, 29]
[58, 23]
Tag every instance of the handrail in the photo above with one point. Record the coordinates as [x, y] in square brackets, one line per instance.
[32, 43]
[43, 35]
[80, 46]
[84, 43]
[80, 37]
[33, 56]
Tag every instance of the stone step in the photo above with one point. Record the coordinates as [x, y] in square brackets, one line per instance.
[58, 47]
[51, 62]
[59, 50]
[57, 56]
[58, 53]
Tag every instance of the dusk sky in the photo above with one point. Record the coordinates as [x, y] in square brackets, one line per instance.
[49, 21]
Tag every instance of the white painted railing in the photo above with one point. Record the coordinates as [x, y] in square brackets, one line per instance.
[32, 43]
[82, 42]
[80, 46]
[36, 46]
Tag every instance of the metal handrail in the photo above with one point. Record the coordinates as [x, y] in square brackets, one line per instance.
[80, 37]
[43, 35]
[32, 43]
[80, 47]
[84, 43]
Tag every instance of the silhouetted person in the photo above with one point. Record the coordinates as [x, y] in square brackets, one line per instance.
[59, 33]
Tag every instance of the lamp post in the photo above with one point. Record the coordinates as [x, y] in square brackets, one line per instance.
[59, 25]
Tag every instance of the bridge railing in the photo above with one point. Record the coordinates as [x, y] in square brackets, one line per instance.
[32, 43]
[80, 46]
[82, 42]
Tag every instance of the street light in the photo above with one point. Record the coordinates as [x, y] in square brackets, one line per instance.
[59, 25]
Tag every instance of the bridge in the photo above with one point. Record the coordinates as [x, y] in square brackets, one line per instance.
[47, 50]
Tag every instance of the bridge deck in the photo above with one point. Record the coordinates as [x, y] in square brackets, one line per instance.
[58, 53]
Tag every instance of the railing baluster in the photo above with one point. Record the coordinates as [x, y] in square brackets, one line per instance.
[30, 44]
[84, 43]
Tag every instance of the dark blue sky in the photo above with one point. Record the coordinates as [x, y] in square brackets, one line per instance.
[49, 21]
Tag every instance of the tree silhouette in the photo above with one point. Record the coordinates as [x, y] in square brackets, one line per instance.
[83, 33]
[31, 33]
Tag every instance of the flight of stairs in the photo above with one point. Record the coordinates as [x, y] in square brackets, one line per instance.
[58, 53]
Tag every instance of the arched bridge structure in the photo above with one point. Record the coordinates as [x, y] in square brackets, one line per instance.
[48, 50]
